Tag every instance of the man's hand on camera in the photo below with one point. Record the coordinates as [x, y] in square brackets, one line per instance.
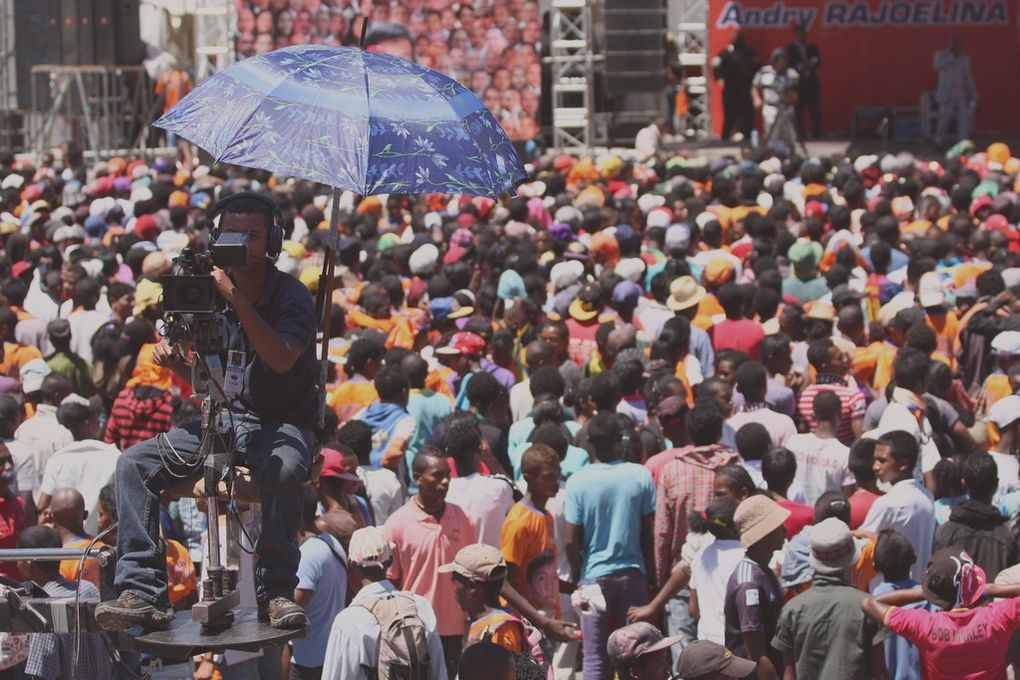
[166, 355]
[226, 287]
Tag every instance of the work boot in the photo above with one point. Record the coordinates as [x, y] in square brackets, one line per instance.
[282, 612]
[130, 610]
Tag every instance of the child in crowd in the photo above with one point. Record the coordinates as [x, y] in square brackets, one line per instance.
[712, 568]
[894, 556]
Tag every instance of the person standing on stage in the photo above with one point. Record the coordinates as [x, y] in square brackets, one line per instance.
[806, 59]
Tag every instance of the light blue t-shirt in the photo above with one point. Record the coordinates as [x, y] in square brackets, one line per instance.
[428, 409]
[575, 459]
[321, 572]
[608, 500]
[522, 429]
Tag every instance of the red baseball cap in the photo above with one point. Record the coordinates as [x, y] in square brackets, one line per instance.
[333, 466]
[146, 227]
[465, 343]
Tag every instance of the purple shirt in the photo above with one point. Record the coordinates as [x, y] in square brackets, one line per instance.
[505, 377]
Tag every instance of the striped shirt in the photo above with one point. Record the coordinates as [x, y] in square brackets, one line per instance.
[852, 405]
[139, 413]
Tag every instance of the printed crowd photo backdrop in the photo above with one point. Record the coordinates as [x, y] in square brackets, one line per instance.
[492, 48]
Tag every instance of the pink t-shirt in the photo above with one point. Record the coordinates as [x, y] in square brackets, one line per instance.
[965, 644]
[581, 344]
[421, 545]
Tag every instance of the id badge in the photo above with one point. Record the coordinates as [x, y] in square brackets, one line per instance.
[233, 383]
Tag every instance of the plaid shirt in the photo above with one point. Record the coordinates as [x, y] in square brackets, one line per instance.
[685, 486]
[51, 655]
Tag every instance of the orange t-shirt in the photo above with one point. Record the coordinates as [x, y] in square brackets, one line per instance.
[180, 571]
[707, 308]
[437, 382]
[873, 364]
[996, 387]
[528, 541]
[173, 85]
[69, 568]
[947, 329]
[16, 356]
[501, 628]
[352, 396]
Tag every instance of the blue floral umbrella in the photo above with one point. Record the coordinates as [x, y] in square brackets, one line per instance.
[356, 120]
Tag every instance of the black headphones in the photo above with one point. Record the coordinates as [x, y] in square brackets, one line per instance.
[274, 242]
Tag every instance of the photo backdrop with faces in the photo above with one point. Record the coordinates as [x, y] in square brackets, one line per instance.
[492, 48]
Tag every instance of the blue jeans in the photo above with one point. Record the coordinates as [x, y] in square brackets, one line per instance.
[279, 456]
[680, 622]
[622, 590]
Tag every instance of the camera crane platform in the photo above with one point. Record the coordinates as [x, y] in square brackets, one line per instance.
[193, 316]
[216, 623]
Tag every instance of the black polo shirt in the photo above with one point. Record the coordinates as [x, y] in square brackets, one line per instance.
[273, 397]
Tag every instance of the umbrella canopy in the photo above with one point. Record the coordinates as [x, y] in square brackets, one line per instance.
[364, 121]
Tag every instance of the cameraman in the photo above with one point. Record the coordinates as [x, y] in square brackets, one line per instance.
[775, 94]
[271, 322]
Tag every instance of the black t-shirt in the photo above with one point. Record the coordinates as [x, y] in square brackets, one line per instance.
[753, 602]
[289, 397]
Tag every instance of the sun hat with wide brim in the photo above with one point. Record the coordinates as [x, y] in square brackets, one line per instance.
[757, 517]
[833, 548]
[684, 293]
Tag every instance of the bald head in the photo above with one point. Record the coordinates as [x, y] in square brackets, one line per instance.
[540, 354]
[55, 387]
[850, 321]
[68, 509]
[417, 370]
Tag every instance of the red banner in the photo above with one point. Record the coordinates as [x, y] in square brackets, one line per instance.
[880, 52]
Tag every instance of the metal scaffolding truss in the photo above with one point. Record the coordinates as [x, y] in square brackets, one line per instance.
[572, 66]
[104, 109]
[214, 22]
[692, 44]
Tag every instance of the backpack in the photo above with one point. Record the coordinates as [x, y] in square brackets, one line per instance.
[403, 648]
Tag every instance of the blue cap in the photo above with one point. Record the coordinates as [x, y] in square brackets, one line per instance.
[95, 226]
[511, 285]
[441, 307]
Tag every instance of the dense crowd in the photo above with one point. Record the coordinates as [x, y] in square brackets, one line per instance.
[766, 406]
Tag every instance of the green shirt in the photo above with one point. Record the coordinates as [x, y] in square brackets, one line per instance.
[827, 633]
[76, 369]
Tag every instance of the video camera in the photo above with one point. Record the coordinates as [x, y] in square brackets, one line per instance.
[191, 305]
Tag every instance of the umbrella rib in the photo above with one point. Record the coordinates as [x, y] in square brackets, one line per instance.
[488, 170]
[368, 123]
[255, 110]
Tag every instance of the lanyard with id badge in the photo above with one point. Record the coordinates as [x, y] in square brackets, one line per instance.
[233, 382]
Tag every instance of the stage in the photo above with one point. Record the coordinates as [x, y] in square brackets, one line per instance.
[713, 149]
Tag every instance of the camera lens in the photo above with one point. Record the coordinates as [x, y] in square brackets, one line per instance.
[191, 293]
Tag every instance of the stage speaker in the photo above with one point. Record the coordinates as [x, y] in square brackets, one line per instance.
[104, 26]
[125, 25]
[634, 45]
[104, 32]
[37, 23]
